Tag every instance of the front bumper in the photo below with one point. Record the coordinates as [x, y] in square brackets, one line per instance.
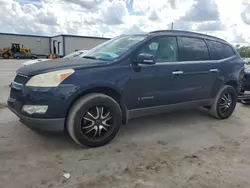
[57, 99]
[51, 125]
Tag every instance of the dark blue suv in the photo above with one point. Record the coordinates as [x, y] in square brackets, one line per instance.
[126, 77]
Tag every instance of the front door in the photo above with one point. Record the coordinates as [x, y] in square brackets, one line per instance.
[154, 85]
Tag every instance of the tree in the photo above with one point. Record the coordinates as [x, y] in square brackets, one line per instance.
[244, 51]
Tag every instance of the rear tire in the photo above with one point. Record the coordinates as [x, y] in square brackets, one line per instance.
[224, 103]
[17, 57]
[86, 123]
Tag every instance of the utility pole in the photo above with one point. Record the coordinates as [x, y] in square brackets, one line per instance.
[172, 25]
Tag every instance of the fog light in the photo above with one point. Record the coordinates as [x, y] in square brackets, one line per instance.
[35, 109]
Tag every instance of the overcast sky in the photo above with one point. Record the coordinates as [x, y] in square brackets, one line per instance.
[228, 19]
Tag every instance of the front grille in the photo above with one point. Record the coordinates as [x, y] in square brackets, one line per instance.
[21, 79]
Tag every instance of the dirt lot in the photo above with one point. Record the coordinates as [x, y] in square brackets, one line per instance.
[7, 73]
[182, 149]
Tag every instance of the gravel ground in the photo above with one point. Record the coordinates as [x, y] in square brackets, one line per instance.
[7, 73]
[181, 149]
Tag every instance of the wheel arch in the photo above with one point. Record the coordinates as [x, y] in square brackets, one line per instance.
[235, 84]
[107, 90]
[232, 83]
[236, 80]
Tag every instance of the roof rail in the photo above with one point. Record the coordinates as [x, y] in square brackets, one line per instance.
[190, 32]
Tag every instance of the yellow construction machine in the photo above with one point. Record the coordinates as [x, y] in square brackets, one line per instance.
[7, 53]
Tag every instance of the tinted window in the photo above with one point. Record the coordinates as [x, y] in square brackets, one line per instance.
[164, 49]
[219, 50]
[192, 49]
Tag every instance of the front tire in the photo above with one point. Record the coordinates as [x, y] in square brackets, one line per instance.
[224, 103]
[94, 120]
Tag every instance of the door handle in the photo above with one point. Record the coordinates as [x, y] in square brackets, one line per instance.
[177, 72]
[214, 70]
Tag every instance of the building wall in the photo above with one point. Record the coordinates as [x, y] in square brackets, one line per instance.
[43, 45]
[81, 43]
[57, 42]
[38, 45]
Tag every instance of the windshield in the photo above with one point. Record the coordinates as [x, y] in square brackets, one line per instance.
[114, 48]
[73, 54]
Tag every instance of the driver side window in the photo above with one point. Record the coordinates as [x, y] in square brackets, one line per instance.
[163, 49]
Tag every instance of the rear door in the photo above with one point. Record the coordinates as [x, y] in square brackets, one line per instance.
[198, 74]
[223, 57]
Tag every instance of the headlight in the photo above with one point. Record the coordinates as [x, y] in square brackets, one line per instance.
[50, 79]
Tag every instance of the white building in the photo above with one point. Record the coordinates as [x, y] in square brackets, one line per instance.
[43, 45]
[65, 44]
[39, 45]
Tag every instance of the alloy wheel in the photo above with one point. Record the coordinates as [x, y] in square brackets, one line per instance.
[226, 103]
[96, 122]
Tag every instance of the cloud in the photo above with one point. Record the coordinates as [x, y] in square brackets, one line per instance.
[202, 10]
[48, 20]
[36, 3]
[173, 4]
[182, 25]
[153, 16]
[47, 17]
[30, 9]
[109, 18]
[115, 14]
[210, 26]
[239, 39]
[245, 15]
[89, 5]
[134, 29]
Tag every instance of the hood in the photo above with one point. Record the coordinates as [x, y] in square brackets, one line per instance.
[34, 61]
[57, 64]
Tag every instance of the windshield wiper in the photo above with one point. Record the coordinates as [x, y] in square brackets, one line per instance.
[90, 57]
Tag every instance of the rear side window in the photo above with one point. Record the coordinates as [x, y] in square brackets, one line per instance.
[192, 49]
[219, 50]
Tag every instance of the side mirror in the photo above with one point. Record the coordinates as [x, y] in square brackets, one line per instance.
[145, 58]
